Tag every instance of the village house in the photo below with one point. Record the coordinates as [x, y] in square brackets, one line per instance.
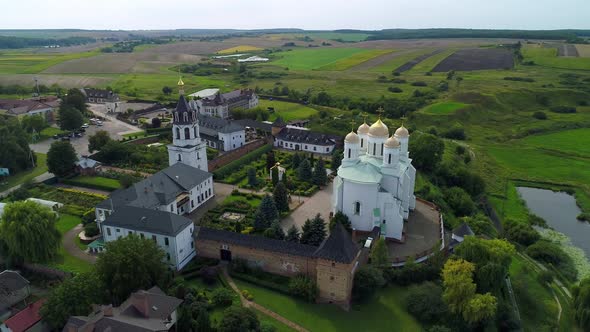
[99, 96]
[44, 106]
[150, 310]
[87, 166]
[28, 319]
[14, 289]
[221, 134]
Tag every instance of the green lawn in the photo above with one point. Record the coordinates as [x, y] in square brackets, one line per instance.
[575, 141]
[254, 202]
[385, 311]
[546, 56]
[97, 182]
[49, 132]
[135, 134]
[65, 261]
[314, 58]
[443, 108]
[288, 111]
[19, 178]
[354, 60]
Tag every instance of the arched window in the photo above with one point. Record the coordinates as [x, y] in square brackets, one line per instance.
[362, 142]
[187, 133]
[381, 149]
[389, 159]
[375, 148]
[357, 208]
[185, 117]
[177, 133]
[179, 157]
[348, 153]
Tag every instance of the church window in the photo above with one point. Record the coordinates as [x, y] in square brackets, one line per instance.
[108, 231]
[195, 130]
[381, 149]
[362, 142]
[177, 133]
[187, 133]
[349, 153]
[374, 148]
[357, 208]
[389, 159]
[185, 117]
[179, 157]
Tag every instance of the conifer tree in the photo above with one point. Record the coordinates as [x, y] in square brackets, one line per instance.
[296, 160]
[274, 175]
[314, 231]
[292, 234]
[266, 214]
[281, 197]
[336, 160]
[260, 223]
[304, 172]
[320, 178]
[275, 231]
[270, 159]
[252, 180]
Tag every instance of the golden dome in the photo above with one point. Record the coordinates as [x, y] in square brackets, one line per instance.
[379, 129]
[402, 132]
[363, 129]
[352, 138]
[392, 142]
[180, 82]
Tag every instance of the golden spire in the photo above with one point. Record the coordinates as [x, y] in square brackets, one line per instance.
[180, 83]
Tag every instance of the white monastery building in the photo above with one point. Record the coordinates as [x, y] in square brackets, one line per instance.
[375, 183]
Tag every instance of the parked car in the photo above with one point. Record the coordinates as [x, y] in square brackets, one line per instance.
[99, 123]
[78, 134]
[65, 138]
[56, 136]
[85, 125]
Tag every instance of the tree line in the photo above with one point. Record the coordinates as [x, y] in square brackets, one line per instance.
[12, 42]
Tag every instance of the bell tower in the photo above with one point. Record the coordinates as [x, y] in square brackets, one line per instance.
[186, 147]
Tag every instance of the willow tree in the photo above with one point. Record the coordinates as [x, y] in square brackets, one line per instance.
[29, 232]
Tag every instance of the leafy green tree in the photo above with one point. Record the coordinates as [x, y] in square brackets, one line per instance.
[252, 179]
[292, 234]
[313, 231]
[238, 319]
[521, 232]
[380, 254]
[303, 287]
[222, 297]
[61, 158]
[424, 301]
[70, 118]
[458, 283]
[167, 90]
[366, 281]
[28, 231]
[581, 305]
[33, 123]
[480, 308]
[281, 197]
[304, 172]
[275, 231]
[427, 151]
[341, 218]
[460, 201]
[129, 264]
[320, 177]
[156, 122]
[336, 160]
[73, 297]
[15, 153]
[274, 175]
[74, 99]
[98, 140]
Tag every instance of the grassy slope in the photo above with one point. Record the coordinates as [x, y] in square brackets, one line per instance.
[314, 58]
[575, 141]
[548, 57]
[385, 310]
[288, 111]
[18, 63]
[354, 60]
[443, 108]
[22, 177]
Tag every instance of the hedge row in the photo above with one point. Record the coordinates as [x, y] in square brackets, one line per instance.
[88, 185]
[239, 163]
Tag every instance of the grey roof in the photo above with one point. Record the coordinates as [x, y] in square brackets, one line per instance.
[305, 136]
[227, 98]
[147, 220]
[279, 122]
[98, 93]
[159, 189]
[255, 241]
[254, 124]
[463, 230]
[183, 108]
[87, 163]
[12, 281]
[218, 124]
[338, 246]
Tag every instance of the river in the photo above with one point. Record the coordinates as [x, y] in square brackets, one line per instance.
[559, 210]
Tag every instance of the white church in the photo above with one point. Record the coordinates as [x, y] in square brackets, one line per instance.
[375, 183]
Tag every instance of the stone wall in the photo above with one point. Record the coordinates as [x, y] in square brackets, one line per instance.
[334, 282]
[230, 156]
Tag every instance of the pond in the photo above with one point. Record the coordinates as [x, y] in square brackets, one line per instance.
[559, 210]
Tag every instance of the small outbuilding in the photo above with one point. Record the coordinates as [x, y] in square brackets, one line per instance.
[87, 166]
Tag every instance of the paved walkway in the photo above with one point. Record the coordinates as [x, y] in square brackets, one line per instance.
[37, 179]
[250, 304]
[320, 203]
[69, 243]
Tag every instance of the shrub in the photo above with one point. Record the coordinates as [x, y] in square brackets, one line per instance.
[583, 217]
[398, 80]
[460, 201]
[91, 229]
[425, 302]
[366, 281]
[519, 79]
[545, 277]
[563, 109]
[540, 115]
[303, 287]
[394, 89]
[419, 83]
[221, 297]
[247, 295]
[396, 73]
[456, 132]
[547, 252]
[521, 232]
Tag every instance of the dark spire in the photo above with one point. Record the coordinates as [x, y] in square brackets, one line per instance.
[183, 113]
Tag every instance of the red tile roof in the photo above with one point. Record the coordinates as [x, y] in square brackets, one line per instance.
[25, 318]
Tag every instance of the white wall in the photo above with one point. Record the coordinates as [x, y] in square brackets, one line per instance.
[232, 141]
[304, 147]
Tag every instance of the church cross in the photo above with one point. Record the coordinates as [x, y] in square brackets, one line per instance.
[380, 111]
[352, 125]
[403, 118]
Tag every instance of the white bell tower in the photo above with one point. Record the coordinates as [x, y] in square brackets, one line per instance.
[186, 147]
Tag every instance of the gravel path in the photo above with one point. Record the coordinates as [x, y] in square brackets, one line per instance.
[69, 243]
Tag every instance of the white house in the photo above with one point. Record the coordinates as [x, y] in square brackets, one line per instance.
[299, 139]
[171, 232]
[221, 134]
[375, 183]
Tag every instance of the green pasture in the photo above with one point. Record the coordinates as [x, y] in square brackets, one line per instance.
[429, 63]
[386, 309]
[287, 111]
[314, 58]
[545, 56]
[576, 141]
[443, 108]
[28, 63]
[399, 60]
[354, 60]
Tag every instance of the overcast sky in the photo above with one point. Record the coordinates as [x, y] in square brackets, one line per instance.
[306, 14]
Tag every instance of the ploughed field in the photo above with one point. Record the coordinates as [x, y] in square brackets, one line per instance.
[476, 59]
[410, 64]
[567, 50]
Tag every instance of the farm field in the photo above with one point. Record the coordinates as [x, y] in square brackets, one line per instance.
[426, 65]
[23, 63]
[583, 50]
[287, 111]
[575, 141]
[346, 37]
[548, 57]
[567, 50]
[314, 58]
[476, 59]
[354, 60]
[385, 309]
[399, 60]
[443, 108]
[410, 64]
[239, 49]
